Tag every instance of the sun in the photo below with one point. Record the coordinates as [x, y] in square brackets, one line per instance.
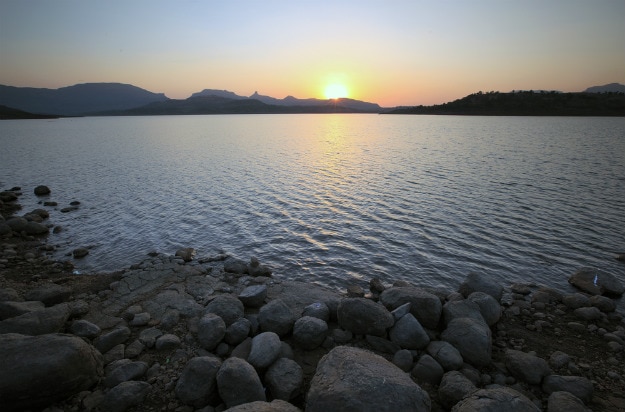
[335, 91]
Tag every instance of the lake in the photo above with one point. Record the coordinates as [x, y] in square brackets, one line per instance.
[334, 199]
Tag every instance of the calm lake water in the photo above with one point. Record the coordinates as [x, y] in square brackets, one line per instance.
[335, 198]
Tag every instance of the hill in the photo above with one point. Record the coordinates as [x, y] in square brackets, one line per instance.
[607, 88]
[9, 113]
[215, 104]
[527, 103]
[78, 99]
[356, 105]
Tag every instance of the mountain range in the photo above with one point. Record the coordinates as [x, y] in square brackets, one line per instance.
[125, 99]
[106, 99]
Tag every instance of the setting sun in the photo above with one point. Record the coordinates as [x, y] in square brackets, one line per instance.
[335, 91]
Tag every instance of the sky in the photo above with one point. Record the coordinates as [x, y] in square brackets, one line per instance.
[391, 52]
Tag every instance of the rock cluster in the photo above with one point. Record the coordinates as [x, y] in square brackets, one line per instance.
[184, 333]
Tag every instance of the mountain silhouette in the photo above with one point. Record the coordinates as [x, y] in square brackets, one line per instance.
[607, 88]
[78, 99]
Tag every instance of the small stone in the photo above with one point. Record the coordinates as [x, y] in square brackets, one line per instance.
[42, 190]
[167, 342]
[80, 252]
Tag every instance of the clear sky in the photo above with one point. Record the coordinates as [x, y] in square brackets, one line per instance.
[391, 52]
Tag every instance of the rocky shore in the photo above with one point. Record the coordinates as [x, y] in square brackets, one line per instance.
[212, 333]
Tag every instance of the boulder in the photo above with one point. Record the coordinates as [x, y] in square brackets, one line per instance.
[211, 329]
[254, 268]
[285, 379]
[39, 322]
[277, 405]
[480, 283]
[489, 307]
[424, 306]
[125, 372]
[10, 309]
[353, 379]
[226, 306]
[36, 371]
[198, 381]
[236, 266]
[50, 294]
[496, 400]
[364, 317]
[577, 385]
[597, 282]
[526, 367]
[564, 401]
[238, 383]
[167, 342]
[472, 339]
[309, 332]
[576, 300]
[453, 388]
[42, 190]
[465, 308]
[186, 253]
[80, 252]
[403, 360]
[408, 333]
[238, 331]
[317, 310]
[85, 329]
[427, 370]
[588, 314]
[125, 395]
[253, 296]
[603, 303]
[265, 350]
[107, 341]
[445, 354]
[276, 317]
[382, 345]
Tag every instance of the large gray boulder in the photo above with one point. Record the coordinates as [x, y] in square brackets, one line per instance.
[238, 383]
[124, 396]
[427, 370]
[496, 400]
[472, 338]
[265, 350]
[464, 308]
[424, 306]
[408, 333]
[309, 332]
[285, 379]
[564, 401]
[36, 371]
[526, 367]
[480, 283]
[577, 385]
[39, 322]
[198, 382]
[364, 317]
[125, 372]
[353, 379]
[107, 341]
[453, 388]
[445, 354]
[276, 317]
[277, 405]
[253, 296]
[211, 329]
[227, 307]
[597, 282]
[489, 307]
[50, 294]
[11, 309]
